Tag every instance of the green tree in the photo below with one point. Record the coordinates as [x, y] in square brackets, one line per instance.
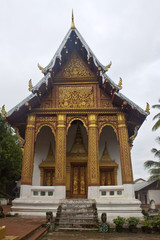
[154, 166]
[157, 116]
[10, 155]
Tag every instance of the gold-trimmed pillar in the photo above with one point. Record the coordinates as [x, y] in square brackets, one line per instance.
[60, 164]
[126, 166]
[93, 156]
[28, 156]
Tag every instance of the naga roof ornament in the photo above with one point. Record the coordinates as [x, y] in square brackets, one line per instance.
[120, 83]
[3, 111]
[108, 66]
[40, 68]
[30, 85]
[147, 109]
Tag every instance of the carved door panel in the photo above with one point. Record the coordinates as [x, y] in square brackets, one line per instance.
[49, 177]
[78, 181]
[107, 177]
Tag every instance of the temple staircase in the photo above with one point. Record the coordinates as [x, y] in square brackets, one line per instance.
[77, 214]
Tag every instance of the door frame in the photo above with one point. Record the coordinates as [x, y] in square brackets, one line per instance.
[78, 164]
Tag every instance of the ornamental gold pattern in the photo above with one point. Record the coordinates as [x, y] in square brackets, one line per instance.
[47, 121]
[76, 97]
[60, 165]
[126, 167]
[83, 119]
[76, 68]
[27, 168]
[93, 159]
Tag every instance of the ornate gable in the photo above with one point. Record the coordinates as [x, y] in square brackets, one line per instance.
[75, 69]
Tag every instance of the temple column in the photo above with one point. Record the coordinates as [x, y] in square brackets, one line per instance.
[28, 156]
[126, 166]
[60, 164]
[93, 157]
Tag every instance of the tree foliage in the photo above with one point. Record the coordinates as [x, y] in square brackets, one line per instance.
[154, 166]
[157, 117]
[10, 155]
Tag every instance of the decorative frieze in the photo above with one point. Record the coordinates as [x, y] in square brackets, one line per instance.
[76, 97]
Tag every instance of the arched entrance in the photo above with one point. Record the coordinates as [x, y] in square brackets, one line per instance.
[44, 159]
[109, 155]
[77, 157]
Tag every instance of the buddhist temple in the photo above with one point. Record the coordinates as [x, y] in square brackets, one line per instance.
[78, 129]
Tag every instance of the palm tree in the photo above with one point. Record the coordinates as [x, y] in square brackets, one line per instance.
[154, 166]
[157, 124]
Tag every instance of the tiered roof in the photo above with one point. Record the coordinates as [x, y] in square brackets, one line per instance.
[74, 40]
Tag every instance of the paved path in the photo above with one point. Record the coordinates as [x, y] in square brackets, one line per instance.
[19, 226]
[99, 236]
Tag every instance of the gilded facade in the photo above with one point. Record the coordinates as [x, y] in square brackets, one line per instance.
[91, 122]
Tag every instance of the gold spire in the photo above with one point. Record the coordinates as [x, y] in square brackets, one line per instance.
[72, 25]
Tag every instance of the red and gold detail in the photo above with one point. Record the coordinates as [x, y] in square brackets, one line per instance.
[93, 156]
[126, 167]
[27, 167]
[60, 165]
[49, 121]
[83, 119]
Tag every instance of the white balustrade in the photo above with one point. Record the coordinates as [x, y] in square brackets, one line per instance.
[111, 191]
[42, 191]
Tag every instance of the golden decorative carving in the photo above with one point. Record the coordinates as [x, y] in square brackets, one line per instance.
[76, 97]
[75, 181]
[108, 66]
[107, 120]
[75, 68]
[93, 159]
[47, 121]
[82, 181]
[83, 119]
[3, 111]
[126, 167]
[147, 109]
[120, 83]
[60, 166]
[40, 68]
[105, 103]
[30, 85]
[27, 167]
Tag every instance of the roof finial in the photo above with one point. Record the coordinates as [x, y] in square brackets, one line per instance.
[72, 25]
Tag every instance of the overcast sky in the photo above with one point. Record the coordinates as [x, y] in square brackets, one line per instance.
[127, 32]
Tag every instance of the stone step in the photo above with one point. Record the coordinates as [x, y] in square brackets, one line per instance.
[70, 221]
[58, 229]
[86, 225]
[78, 210]
[77, 214]
[76, 218]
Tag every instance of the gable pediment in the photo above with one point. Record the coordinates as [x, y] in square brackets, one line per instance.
[75, 68]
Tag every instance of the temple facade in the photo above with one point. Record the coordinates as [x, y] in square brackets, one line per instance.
[78, 130]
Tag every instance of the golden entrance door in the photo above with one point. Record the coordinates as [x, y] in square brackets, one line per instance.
[78, 181]
[49, 177]
[107, 177]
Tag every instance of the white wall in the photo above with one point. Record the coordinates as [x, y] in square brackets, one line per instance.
[108, 135]
[44, 138]
[154, 195]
